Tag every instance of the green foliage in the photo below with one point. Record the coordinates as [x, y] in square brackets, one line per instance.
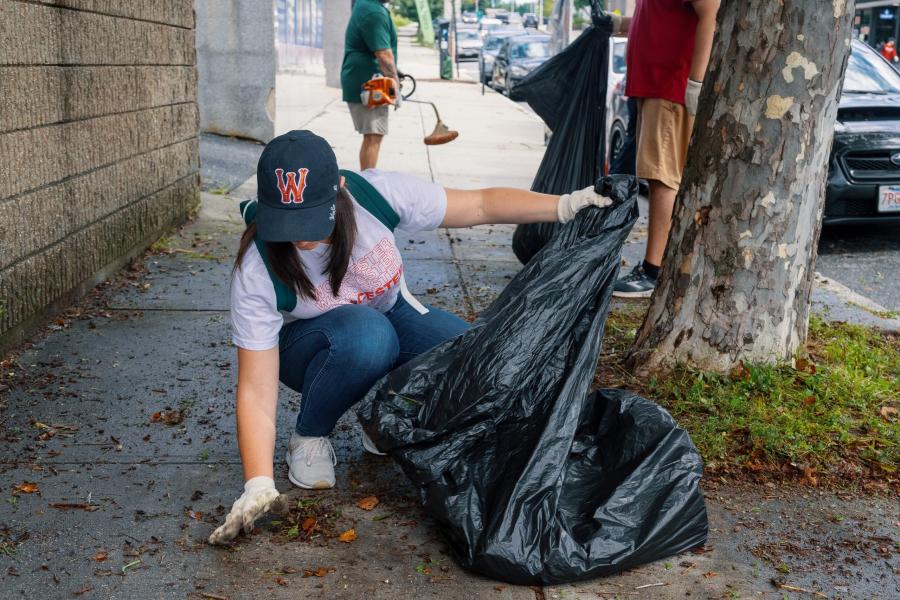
[400, 21]
[407, 8]
[833, 412]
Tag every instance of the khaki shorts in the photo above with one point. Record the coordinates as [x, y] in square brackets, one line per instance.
[369, 120]
[663, 134]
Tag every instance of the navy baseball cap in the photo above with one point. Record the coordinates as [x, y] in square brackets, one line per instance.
[297, 183]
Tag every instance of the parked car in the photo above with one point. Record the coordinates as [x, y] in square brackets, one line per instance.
[864, 172]
[616, 108]
[469, 17]
[487, 26]
[468, 44]
[502, 15]
[518, 56]
[530, 21]
[863, 183]
[492, 44]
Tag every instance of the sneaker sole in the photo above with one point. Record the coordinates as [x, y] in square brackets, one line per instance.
[319, 485]
[646, 294]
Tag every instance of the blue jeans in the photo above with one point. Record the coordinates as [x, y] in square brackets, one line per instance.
[335, 358]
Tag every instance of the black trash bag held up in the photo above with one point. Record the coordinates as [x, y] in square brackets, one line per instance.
[569, 93]
[530, 478]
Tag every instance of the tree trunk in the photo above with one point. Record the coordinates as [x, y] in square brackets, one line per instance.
[738, 270]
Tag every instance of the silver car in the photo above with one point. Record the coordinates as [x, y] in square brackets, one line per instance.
[489, 50]
[468, 44]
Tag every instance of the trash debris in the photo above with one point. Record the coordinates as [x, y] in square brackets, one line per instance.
[169, 417]
[530, 478]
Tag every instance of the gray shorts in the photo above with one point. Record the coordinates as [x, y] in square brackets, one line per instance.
[369, 120]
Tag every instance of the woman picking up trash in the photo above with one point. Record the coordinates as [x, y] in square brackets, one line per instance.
[319, 301]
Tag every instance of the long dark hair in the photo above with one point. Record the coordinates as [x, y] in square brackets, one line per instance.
[286, 264]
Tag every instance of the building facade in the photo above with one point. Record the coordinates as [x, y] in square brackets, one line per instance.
[300, 34]
[877, 22]
[98, 144]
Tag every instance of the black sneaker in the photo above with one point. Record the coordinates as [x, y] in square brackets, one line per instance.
[636, 284]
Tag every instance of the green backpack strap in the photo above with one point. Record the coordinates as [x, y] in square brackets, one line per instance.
[285, 298]
[371, 199]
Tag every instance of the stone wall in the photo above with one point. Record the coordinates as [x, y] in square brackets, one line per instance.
[98, 143]
[236, 61]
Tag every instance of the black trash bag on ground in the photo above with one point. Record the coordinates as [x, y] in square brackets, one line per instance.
[530, 478]
[569, 93]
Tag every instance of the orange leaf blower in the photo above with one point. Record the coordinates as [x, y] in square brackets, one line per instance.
[379, 91]
[382, 91]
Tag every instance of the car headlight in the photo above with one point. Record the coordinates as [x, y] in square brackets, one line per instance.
[518, 71]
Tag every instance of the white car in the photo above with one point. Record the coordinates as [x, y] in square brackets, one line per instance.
[468, 44]
[488, 25]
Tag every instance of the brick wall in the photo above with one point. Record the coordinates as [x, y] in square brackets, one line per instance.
[98, 143]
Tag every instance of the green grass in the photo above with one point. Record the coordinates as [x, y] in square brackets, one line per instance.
[832, 414]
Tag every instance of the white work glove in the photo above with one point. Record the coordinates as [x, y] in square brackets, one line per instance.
[570, 204]
[692, 96]
[259, 494]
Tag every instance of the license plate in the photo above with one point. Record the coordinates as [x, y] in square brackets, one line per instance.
[889, 198]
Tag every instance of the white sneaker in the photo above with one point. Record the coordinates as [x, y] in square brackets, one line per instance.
[310, 462]
[369, 445]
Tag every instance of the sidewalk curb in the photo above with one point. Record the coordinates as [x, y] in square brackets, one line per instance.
[854, 299]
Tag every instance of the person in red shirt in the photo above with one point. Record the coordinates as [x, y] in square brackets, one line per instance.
[889, 51]
[669, 42]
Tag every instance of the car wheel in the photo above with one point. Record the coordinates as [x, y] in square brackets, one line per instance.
[616, 143]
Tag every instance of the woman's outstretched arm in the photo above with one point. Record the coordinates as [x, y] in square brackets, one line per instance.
[498, 205]
[466, 208]
[257, 398]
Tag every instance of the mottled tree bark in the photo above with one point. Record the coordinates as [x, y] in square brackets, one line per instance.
[738, 270]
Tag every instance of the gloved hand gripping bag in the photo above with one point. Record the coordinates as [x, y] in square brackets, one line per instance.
[531, 478]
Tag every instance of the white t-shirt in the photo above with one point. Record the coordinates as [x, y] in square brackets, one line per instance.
[373, 276]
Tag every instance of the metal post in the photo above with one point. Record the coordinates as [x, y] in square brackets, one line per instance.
[453, 35]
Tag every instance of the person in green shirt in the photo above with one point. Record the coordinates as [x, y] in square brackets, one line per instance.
[370, 46]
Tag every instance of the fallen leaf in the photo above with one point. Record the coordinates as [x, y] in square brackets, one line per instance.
[348, 536]
[803, 364]
[320, 572]
[281, 581]
[195, 515]
[101, 556]
[367, 503]
[709, 574]
[308, 524]
[84, 590]
[26, 487]
[169, 417]
[739, 372]
[887, 412]
[197, 495]
[809, 400]
[809, 477]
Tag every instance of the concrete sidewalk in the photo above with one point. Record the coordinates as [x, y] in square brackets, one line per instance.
[122, 501]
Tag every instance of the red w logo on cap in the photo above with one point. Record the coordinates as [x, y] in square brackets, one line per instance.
[292, 190]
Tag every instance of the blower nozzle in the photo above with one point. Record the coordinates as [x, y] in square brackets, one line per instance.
[441, 134]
